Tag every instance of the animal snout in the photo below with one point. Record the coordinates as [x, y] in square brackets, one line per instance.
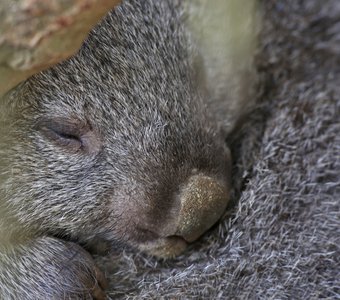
[203, 200]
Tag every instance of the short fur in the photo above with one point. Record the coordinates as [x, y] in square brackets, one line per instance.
[281, 239]
[99, 148]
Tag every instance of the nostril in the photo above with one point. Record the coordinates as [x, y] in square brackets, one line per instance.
[178, 238]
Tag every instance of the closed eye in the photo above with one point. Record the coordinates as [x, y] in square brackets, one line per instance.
[62, 133]
[71, 135]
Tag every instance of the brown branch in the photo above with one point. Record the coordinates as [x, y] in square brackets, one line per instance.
[35, 34]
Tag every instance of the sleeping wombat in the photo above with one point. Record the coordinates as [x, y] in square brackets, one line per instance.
[119, 143]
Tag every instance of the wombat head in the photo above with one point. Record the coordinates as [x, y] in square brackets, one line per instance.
[117, 141]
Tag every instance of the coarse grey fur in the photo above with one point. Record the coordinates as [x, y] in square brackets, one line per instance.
[100, 148]
[281, 239]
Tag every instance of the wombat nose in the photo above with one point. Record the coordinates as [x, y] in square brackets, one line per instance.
[203, 201]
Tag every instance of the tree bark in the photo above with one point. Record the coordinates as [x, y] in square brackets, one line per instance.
[35, 34]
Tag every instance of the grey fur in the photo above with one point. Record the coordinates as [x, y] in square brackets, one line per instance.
[281, 239]
[100, 147]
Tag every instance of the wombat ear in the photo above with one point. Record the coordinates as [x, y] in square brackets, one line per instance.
[70, 135]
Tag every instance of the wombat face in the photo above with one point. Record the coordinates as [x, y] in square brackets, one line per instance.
[117, 142]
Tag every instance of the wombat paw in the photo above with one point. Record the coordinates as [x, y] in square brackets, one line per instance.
[50, 268]
[57, 269]
[82, 278]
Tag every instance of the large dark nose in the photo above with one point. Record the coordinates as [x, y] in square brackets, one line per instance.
[203, 200]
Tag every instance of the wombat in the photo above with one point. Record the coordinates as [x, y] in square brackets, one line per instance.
[120, 143]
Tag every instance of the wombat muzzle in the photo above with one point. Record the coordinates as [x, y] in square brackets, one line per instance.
[202, 202]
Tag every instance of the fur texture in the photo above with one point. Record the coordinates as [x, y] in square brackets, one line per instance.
[116, 145]
[280, 240]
